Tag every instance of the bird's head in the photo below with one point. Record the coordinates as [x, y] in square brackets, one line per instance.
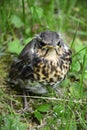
[49, 41]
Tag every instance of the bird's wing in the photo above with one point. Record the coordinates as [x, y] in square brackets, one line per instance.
[22, 66]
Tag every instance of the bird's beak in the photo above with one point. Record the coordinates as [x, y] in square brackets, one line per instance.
[49, 46]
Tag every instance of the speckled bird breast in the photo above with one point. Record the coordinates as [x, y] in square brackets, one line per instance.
[52, 68]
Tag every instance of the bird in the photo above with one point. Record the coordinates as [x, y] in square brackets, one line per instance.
[44, 62]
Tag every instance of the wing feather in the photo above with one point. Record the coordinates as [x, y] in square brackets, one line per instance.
[22, 66]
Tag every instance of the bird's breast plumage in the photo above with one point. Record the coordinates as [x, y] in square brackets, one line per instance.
[50, 68]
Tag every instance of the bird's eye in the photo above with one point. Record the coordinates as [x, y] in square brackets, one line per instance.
[59, 43]
[42, 43]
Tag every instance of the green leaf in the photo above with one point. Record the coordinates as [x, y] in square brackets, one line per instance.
[12, 122]
[59, 110]
[78, 46]
[16, 21]
[72, 125]
[38, 115]
[39, 12]
[28, 40]
[75, 89]
[85, 74]
[65, 83]
[75, 66]
[43, 107]
[46, 128]
[15, 46]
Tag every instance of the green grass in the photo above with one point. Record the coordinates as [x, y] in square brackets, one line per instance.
[19, 21]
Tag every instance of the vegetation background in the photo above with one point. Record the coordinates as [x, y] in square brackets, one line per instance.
[19, 21]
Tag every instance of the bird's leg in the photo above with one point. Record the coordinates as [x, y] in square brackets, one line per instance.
[25, 103]
[22, 86]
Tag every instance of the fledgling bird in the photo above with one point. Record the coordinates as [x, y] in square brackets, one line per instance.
[43, 62]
